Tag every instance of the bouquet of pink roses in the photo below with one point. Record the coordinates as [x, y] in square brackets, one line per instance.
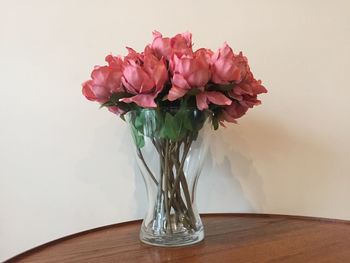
[168, 73]
[167, 93]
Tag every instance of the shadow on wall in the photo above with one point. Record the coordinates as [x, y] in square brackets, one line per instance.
[258, 166]
[219, 188]
[255, 166]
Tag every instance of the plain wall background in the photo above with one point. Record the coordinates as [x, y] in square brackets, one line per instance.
[66, 166]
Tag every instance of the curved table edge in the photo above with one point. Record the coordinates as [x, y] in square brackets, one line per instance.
[84, 232]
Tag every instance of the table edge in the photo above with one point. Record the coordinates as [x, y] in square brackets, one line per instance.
[251, 215]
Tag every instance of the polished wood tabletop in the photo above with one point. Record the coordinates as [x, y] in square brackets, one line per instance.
[229, 238]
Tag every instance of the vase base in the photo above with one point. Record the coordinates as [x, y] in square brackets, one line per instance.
[172, 240]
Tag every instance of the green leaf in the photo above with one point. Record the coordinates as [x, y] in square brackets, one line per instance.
[139, 121]
[107, 104]
[114, 101]
[215, 123]
[138, 137]
[115, 97]
[169, 129]
[185, 116]
[188, 122]
[146, 122]
[122, 116]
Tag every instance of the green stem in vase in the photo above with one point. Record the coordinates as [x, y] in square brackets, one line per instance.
[140, 155]
[175, 193]
[166, 186]
[180, 168]
[177, 203]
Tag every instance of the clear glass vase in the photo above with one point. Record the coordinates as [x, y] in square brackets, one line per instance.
[170, 148]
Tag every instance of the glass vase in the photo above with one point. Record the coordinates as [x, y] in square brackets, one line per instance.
[170, 148]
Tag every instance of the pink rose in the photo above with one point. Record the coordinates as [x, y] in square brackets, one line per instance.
[193, 72]
[161, 45]
[115, 110]
[144, 76]
[225, 66]
[157, 70]
[181, 44]
[188, 72]
[114, 62]
[244, 95]
[205, 53]
[104, 82]
[242, 63]
[232, 112]
[133, 56]
[215, 97]
[247, 90]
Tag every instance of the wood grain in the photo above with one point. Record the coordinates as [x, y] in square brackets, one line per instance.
[229, 238]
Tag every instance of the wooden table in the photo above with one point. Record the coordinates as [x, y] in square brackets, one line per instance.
[229, 238]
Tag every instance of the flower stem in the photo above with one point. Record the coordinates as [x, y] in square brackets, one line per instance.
[166, 186]
[139, 153]
[180, 168]
[173, 187]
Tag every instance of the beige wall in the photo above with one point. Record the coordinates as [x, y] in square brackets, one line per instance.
[66, 166]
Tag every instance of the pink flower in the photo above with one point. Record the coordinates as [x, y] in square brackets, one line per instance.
[205, 53]
[193, 72]
[244, 95]
[242, 63]
[168, 66]
[232, 112]
[133, 56]
[188, 72]
[115, 110]
[161, 45]
[215, 97]
[104, 82]
[181, 44]
[144, 76]
[114, 62]
[247, 90]
[225, 66]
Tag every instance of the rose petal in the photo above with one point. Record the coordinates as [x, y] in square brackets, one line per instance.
[87, 92]
[199, 78]
[161, 46]
[233, 112]
[217, 98]
[115, 110]
[143, 100]
[180, 82]
[201, 100]
[176, 93]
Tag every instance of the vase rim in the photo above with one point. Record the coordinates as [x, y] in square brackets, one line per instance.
[170, 108]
